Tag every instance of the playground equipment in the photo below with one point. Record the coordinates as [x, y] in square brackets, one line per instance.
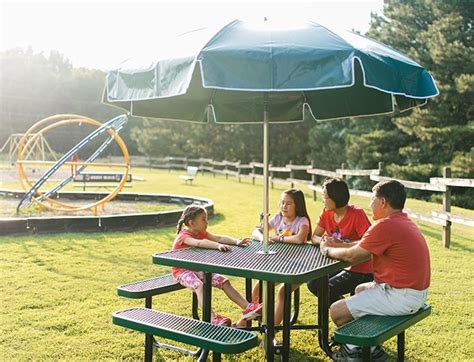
[38, 148]
[46, 199]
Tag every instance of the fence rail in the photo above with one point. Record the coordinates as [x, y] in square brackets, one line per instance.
[254, 170]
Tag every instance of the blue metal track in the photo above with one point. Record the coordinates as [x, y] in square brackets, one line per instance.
[116, 124]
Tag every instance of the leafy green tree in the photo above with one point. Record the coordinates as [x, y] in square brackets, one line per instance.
[34, 86]
[438, 35]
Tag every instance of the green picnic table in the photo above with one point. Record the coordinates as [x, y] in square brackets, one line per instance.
[289, 264]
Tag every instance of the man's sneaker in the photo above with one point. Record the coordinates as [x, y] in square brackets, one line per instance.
[346, 354]
[378, 354]
[221, 320]
[252, 311]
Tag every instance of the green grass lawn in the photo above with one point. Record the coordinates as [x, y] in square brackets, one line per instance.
[58, 291]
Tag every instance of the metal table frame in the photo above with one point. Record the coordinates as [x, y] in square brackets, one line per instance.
[291, 264]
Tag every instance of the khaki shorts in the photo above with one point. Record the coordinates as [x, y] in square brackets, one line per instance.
[382, 299]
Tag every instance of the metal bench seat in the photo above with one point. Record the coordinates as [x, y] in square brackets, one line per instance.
[205, 335]
[372, 330]
[147, 289]
[150, 287]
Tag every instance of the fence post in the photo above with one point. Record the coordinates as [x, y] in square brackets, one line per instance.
[271, 175]
[447, 208]
[381, 165]
[343, 167]
[253, 172]
[292, 175]
[238, 171]
[313, 180]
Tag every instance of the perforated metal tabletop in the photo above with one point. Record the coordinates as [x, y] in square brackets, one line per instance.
[291, 263]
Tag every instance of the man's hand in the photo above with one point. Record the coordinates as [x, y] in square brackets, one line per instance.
[323, 246]
[332, 241]
[243, 242]
[223, 247]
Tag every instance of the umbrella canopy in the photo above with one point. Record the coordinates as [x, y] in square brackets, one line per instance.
[299, 72]
[263, 73]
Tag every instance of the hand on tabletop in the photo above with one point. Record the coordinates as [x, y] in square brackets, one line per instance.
[274, 238]
[223, 247]
[331, 241]
[243, 241]
[323, 246]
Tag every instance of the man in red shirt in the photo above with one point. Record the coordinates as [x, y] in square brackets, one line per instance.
[400, 256]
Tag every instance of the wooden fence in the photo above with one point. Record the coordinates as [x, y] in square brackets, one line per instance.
[307, 175]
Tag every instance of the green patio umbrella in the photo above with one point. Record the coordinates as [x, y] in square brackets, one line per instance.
[267, 73]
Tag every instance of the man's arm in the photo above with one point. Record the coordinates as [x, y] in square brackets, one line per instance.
[353, 255]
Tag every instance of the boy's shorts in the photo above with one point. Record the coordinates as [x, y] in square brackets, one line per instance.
[382, 299]
[194, 279]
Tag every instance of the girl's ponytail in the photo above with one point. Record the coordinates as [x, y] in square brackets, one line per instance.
[189, 213]
[180, 226]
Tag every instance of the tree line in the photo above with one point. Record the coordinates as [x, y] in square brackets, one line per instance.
[413, 146]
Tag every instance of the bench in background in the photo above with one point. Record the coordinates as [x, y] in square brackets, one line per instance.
[191, 174]
[107, 179]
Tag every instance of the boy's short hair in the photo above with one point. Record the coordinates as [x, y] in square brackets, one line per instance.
[392, 191]
[337, 190]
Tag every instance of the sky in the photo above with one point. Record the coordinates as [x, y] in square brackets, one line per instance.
[102, 33]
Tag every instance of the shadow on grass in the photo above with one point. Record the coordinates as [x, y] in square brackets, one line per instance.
[458, 242]
[216, 219]
[78, 249]
[457, 246]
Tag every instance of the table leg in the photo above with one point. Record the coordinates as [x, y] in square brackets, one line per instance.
[248, 289]
[206, 308]
[248, 296]
[285, 352]
[148, 337]
[323, 314]
[207, 297]
[268, 318]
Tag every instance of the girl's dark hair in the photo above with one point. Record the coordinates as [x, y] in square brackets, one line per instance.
[300, 206]
[191, 212]
[337, 190]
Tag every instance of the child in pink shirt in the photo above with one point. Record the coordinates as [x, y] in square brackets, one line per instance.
[195, 234]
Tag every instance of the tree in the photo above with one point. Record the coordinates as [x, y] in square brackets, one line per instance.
[438, 35]
[34, 86]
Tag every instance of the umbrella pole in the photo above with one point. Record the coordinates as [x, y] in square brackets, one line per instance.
[268, 288]
[265, 178]
[266, 136]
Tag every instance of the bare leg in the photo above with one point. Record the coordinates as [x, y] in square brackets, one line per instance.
[234, 295]
[340, 313]
[200, 296]
[280, 302]
[255, 293]
[363, 286]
